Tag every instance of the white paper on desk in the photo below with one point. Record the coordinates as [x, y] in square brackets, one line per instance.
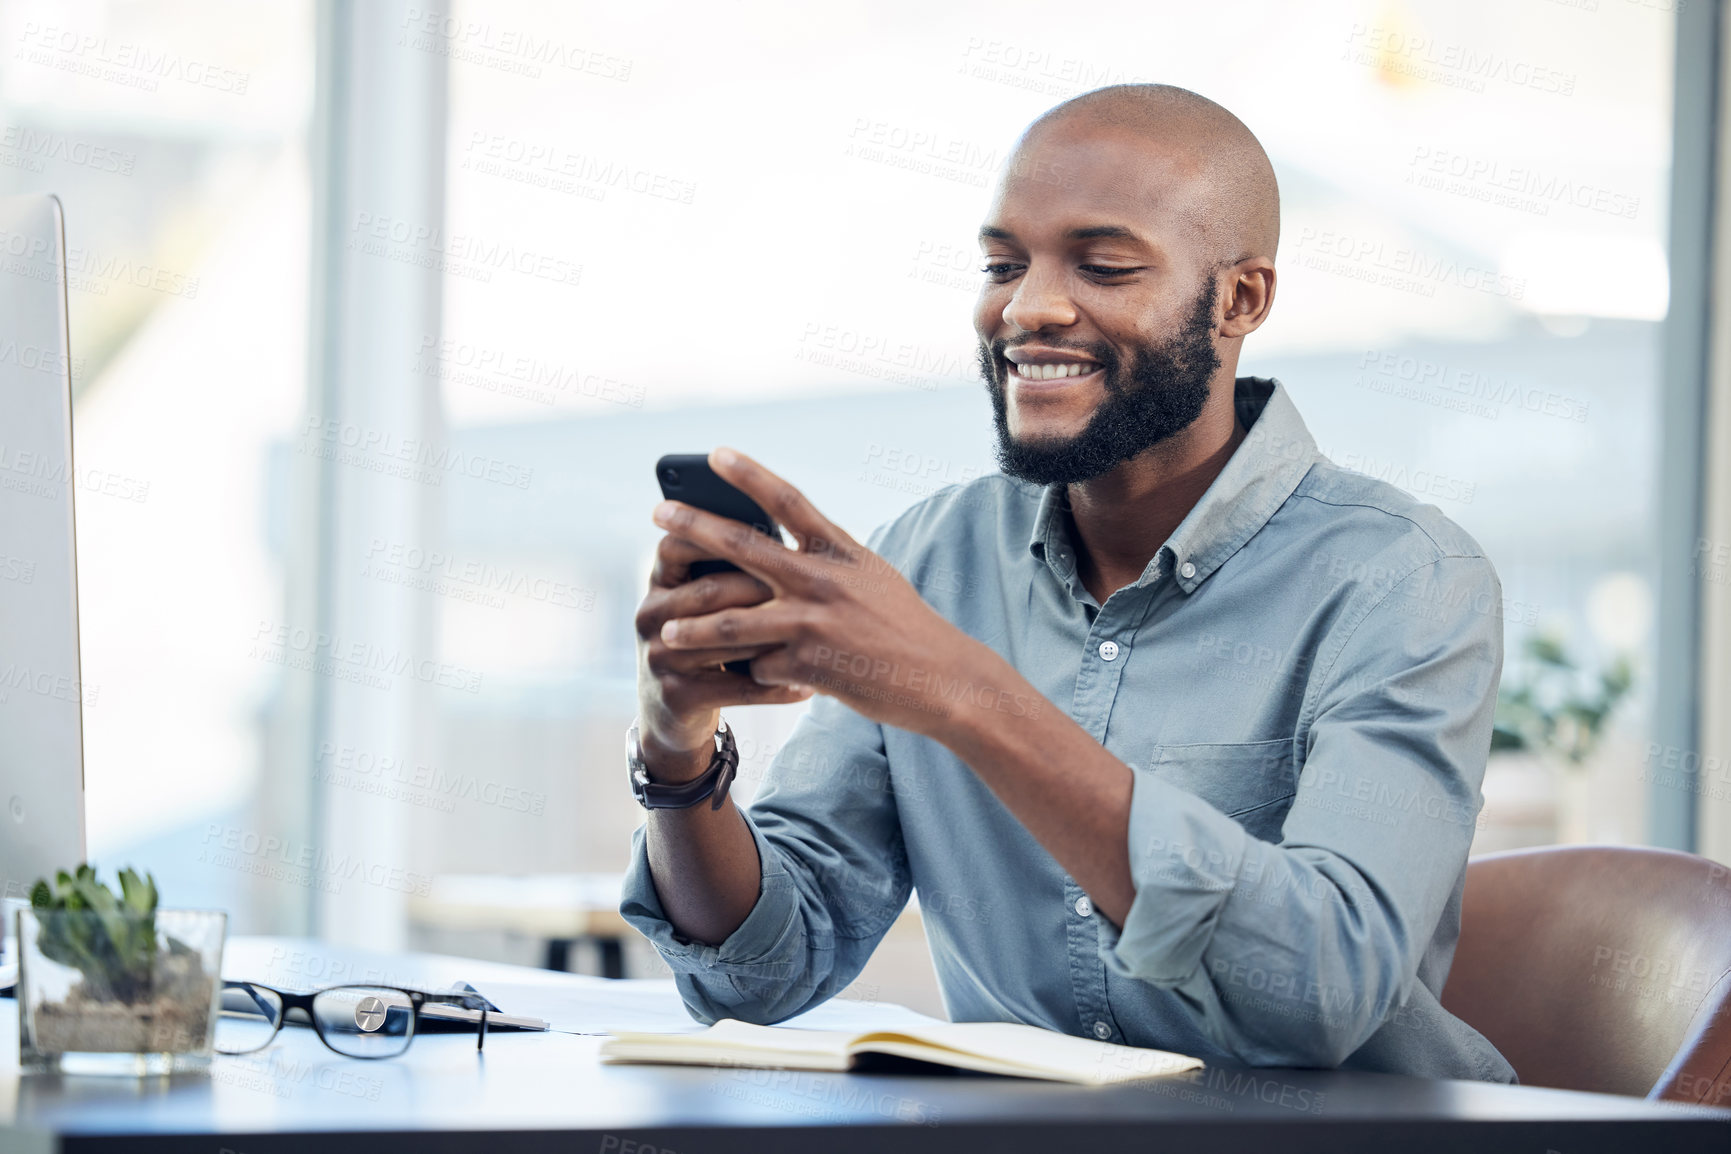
[578, 1004]
[859, 1017]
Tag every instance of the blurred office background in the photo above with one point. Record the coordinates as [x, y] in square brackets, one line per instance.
[383, 311]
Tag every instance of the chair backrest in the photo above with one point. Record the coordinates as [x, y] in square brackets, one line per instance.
[1602, 968]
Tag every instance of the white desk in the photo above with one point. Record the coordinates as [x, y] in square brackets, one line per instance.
[545, 1092]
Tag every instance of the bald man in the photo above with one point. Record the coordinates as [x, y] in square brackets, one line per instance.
[1177, 729]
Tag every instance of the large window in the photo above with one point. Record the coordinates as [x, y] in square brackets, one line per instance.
[174, 134]
[668, 226]
[773, 211]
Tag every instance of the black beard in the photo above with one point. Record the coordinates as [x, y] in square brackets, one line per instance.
[1162, 395]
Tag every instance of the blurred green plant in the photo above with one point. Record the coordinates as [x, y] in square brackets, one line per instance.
[110, 940]
[1552, 705]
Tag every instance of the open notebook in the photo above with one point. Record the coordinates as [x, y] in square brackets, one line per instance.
[986, 1047]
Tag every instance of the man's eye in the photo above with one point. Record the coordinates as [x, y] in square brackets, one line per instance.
[1000, 271]
[1107, 270]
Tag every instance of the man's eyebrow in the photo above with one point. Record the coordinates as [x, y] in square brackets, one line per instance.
[1103, 232]
[1091, 232]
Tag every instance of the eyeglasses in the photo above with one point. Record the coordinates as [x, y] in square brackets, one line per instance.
[355, 1021]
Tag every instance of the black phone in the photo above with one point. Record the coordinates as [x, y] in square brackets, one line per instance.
[687, 477]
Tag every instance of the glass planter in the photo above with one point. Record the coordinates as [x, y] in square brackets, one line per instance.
[115, 995]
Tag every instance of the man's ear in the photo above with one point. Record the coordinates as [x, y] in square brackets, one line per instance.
[1249, 292]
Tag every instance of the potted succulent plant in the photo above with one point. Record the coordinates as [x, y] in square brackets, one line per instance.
[111, 983]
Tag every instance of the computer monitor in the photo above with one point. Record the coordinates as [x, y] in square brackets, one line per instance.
[41, 690]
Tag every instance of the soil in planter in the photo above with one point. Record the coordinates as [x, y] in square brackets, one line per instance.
[174, 1020]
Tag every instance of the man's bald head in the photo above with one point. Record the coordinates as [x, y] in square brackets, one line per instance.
[1233, 197]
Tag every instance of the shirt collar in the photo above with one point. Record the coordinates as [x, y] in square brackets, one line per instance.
[1262, 473]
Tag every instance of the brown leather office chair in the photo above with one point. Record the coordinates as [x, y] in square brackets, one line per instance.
[1601, 968]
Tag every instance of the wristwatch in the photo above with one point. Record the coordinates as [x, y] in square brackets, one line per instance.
[713, 783]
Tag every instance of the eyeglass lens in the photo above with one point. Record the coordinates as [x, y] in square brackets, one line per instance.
[365, 1021]
[247, 1019]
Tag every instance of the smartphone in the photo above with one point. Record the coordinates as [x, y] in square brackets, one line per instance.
[687, 477]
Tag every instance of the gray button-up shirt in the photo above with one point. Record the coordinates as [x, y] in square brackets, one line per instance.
[1302, 681]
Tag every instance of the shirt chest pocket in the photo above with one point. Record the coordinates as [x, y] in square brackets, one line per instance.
[1252, 783]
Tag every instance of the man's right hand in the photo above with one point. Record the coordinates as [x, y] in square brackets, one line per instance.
[704, 861]
[680, 692]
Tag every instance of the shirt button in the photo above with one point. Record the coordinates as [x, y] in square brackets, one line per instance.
[1102, 1031]
[1084, 907]
[1187, 570]
[1108, 651]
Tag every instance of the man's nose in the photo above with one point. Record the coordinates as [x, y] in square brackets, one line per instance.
[1039, 302]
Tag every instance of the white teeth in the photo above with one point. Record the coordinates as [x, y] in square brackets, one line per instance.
[1051, 372]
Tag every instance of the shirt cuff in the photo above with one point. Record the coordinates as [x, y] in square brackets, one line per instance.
[1185, 857]
[762, 941]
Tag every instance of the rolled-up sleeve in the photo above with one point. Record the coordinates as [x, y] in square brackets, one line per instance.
[834, 877]
[1296, 952]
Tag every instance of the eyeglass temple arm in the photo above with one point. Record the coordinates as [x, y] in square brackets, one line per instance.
[469, 1001]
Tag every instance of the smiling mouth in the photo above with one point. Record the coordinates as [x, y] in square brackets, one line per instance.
[1053, 372]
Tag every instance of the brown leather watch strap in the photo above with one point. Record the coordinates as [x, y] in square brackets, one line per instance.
[713, 783]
